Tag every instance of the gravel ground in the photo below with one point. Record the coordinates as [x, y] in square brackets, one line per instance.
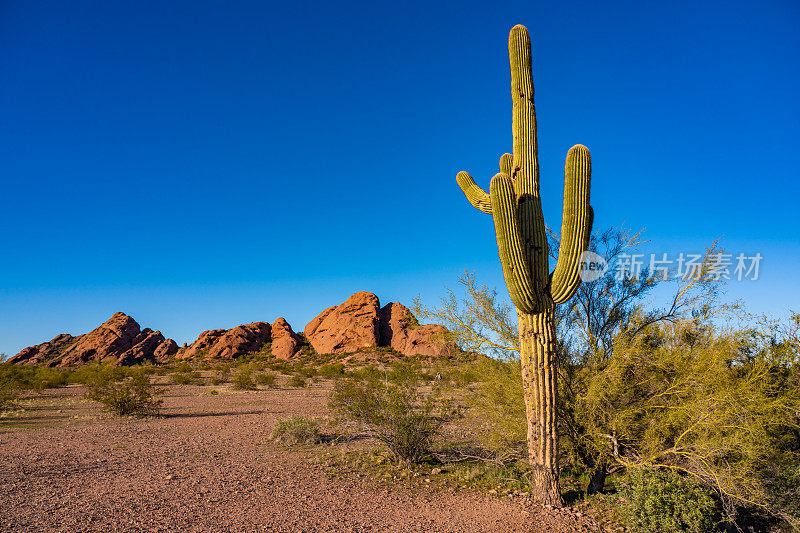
[208, 466]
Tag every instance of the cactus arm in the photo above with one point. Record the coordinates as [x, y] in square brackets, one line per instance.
[476, 196]
[507, 164]
[576, 225]
[515, 267]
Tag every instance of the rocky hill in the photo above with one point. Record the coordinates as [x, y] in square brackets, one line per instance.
[243, 340]
[118, 340]
[358, 324]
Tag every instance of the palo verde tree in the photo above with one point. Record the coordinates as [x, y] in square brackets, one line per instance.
[515, 205]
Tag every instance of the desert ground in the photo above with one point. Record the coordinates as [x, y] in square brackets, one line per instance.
[208, 464]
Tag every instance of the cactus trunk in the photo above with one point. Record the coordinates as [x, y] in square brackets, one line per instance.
[537, 339]
[515, 205]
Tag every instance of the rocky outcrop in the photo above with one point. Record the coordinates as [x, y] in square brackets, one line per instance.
[119, 340]
[347, 327]
[228, 343]
[43, 353]
[285, 342]
[164, 352]
[401, 331]
[361, 323]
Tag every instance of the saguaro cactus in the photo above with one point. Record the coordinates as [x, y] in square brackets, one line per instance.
[514, 203]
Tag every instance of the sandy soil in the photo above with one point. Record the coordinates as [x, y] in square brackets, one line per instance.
[208, 465]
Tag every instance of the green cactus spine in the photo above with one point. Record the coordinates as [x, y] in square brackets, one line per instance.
[515, 205]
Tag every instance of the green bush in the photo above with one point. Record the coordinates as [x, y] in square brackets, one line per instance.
[51, 378]
[398, 415]
[267, 379]
[223, 374]
[367, 372]
[183, 367]
[132, 396]
[297, 381]
[661, 501]
[97, 374]
[331, 370]
[8, 393]
[23, 377]
[297, 430]
[244, 379]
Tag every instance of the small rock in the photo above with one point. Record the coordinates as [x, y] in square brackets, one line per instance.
[436, 471]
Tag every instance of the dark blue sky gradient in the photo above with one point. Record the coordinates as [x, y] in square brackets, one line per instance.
[204, 164]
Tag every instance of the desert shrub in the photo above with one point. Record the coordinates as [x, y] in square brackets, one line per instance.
[244, 379]
[306, 371]
[331, 370]
[132, 396]
[464, 377]
[711, 404]
[23, 377]
[403, 371]
[497, 401]
[187, 378]
[297, 430]
[397, 414]
[9, 391]
[182, 367]
[51, 378]
[266, 378]
[367, 372]
[223, 372]
[97, 374]
[297, 381]
[657, 501]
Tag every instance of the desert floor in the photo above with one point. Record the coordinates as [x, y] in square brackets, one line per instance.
[208, 465]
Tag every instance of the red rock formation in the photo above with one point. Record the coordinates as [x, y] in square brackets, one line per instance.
[347, 327]
[403, 333]
[41, 354]
[118, 340]
[165, 351]
[360, 322]
[228, 343]
[285, 342]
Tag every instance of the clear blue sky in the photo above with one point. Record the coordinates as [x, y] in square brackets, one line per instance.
[204, 164]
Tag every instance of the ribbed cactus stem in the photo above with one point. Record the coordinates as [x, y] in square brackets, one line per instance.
[476, 196]
[515, 205]
[575, 225]
[509, 243]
